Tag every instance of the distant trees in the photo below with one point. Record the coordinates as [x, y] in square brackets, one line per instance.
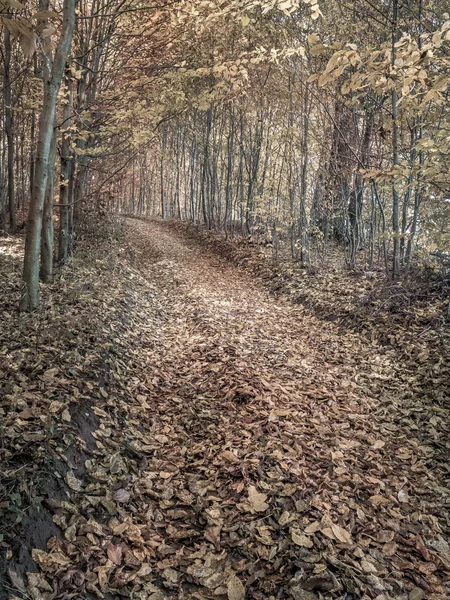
[303, 126]
[315, 132]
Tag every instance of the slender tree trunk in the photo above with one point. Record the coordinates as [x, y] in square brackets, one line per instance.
[47, 235]
[64, 201]
[163, 212]
[9, 130]
[395, 155]
[228, 184]
[78, 191]
[30, 299]
[417, 203]
[303, 219]
[32, 135]
[70, 200]
[355, 206]
[418, 190]
[3, 224]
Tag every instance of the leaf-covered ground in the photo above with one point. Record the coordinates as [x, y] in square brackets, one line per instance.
[178, 432]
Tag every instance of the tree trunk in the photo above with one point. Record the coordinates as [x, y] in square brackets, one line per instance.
[395, 156]
[9, 130]
[355, 206]
[30, 298]
[2, 201]
[32, 135]
[47, 236]
[64, 201]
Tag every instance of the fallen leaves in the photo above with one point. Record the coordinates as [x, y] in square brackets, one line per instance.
[301, 540]
[122, 496]
[228, 456]
[237, 450]
[114, 554]
[378, 500]
[235, 589]
[256, 500]
[403, 496]
[74, 483]
[337, 533]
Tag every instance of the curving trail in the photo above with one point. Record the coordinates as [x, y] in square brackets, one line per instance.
[181, 433]
[281, 457]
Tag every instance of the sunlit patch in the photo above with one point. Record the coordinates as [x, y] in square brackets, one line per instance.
[11, 247]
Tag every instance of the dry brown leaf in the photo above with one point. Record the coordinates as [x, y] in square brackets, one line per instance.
[385, 536]
[341, 534]
[257, 500]
[37, 580]
[122, 496]
[416, 594]
[389, 549]
[328, 532]
[368, 567]
[74, 483]
[235, 589]
[301, 540]
[50, 373]
[229, 456]
[102, 575]
[285, 518]
[403, 496]
[378, 500]
[378, 445]
[17, 581]
[336, 532]
[114, 554]
[313, 527]
[144, 570]
[443, 548]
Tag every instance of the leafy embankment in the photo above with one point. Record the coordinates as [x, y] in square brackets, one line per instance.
[360, 299]
[188, 435]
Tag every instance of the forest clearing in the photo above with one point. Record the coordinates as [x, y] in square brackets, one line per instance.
[225, 300]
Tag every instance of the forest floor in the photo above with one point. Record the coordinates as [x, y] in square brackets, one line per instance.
[171, 429]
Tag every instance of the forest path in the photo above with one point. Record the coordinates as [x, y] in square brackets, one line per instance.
[281, 459]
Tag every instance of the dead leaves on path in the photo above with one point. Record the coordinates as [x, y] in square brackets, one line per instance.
[237, 456]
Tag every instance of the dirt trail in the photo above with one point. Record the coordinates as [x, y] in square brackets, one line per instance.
[305, 468]
[235, 446]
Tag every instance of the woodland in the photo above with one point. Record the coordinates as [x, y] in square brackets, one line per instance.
[224, 299]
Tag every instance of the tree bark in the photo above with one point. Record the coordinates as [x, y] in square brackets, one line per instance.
[47, 236]
[64, 189]
[9, 130]
[395, 156]
[2, 200]
[30, 298]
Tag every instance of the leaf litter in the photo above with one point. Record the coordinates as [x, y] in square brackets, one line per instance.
[232, 446]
